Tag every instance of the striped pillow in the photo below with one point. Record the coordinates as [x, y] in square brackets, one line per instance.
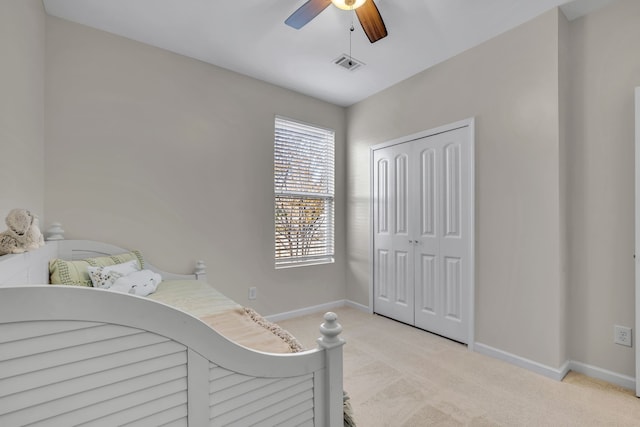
[75, 273]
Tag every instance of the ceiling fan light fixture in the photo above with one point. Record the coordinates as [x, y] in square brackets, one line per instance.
[348, 4]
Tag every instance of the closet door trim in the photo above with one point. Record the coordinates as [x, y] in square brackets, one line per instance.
[637, 237]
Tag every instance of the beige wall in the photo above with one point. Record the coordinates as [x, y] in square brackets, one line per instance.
[151, 150]
[22, 44]
[510, 85]
[605, 67]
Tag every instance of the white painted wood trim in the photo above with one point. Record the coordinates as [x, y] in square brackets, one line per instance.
[554, 373]
[317, 309]
[637, 243]
[332, 344]
[28, 267]
[319, 387]
[359, 306]
[46, 302]
[54, 232]
[198, 389]
[559, 373]
[372, 248]
[305, 311]
[423, 134]
[333, 386]
[470, 123]
[603, 374]
[472, 235]
[71, 303]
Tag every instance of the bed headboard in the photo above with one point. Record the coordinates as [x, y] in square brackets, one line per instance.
[29, 268]
[32, 268]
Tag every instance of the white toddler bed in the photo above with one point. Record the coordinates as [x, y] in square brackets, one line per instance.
[84, 356]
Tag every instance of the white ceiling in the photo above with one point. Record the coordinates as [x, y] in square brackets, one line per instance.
[250, 36]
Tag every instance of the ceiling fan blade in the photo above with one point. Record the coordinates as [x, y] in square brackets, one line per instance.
[371, 21]
[306, 13]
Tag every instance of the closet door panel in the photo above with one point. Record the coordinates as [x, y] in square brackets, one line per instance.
[427, 292]
[428, 193]
[426, 244]
[382, 275]
[452, 288]
[403, 278]
[393, 279]
[449, 244]
[401, 193]
[452, 190]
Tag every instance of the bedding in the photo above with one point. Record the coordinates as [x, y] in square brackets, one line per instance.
[141, 283]
[75, 273]
[105, 277]
[196, 297]
[239, 324]
[122, 273]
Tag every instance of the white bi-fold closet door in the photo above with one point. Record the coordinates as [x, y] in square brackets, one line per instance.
[422, 232]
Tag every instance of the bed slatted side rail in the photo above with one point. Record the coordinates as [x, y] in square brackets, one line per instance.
[70, 356]
[73, 373]
[239, 400]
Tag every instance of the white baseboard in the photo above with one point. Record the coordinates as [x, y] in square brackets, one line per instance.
[554, 373]
[358, 306]
[304, 311]
[316, 309]
[603, 374]
[558, 373]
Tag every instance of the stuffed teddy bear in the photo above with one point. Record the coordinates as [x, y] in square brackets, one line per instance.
[23, 233]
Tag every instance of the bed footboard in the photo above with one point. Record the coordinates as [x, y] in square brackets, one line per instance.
[70, 356]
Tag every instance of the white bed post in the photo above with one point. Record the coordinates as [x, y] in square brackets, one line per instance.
[200, 271]
[332, 345]
[55, 232]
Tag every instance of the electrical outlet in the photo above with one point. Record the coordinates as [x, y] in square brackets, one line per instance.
[622, 335]
[253, 292]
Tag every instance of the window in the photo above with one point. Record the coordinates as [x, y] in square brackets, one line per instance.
[304, 193]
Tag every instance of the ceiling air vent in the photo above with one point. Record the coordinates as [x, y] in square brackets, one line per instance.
[348, 62]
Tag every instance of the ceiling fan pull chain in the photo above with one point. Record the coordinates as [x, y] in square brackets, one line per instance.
[350, 36]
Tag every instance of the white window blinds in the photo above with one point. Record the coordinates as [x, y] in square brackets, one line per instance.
[304, 193]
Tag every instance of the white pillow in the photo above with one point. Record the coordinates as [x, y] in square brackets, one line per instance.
[141, 283]
[104, 277]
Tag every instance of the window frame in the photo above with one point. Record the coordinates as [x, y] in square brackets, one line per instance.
[327, 230]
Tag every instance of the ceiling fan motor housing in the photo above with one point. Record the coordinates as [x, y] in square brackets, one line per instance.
[348, 4]
[366, 11]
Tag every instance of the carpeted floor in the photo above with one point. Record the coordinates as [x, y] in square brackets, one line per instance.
[400, 376]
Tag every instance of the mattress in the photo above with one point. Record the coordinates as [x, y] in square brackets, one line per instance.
[237, 323]
[196, 297]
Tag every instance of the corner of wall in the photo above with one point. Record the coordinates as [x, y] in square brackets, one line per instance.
[22, 48]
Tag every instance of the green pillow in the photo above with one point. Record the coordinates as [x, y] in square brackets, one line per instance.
[75, 273]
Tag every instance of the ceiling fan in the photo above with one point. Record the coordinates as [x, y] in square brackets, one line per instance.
[367, 12]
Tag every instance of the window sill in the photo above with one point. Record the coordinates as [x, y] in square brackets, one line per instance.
[293, 264]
